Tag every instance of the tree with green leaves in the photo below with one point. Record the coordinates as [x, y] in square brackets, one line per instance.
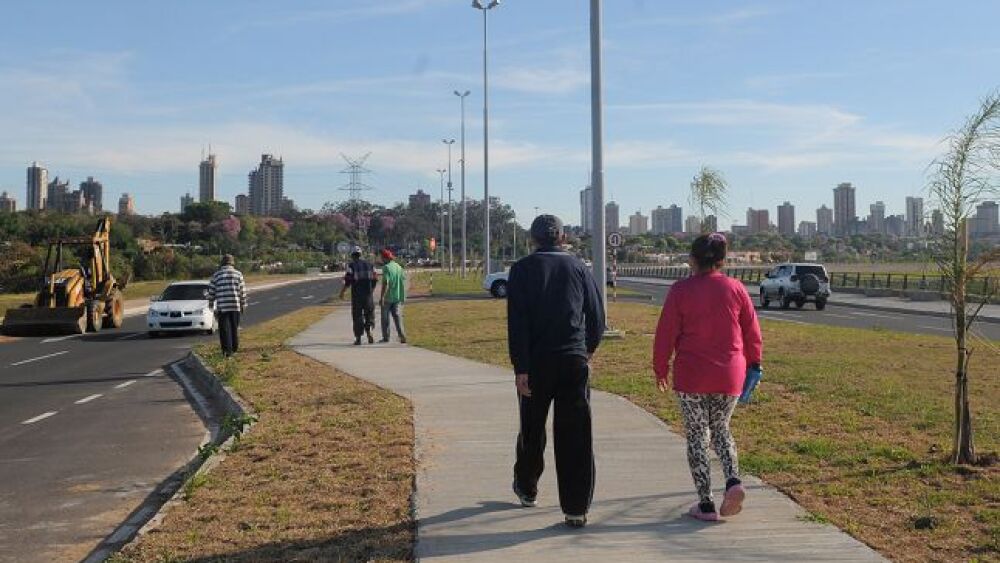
[963, 177]
[708, 194]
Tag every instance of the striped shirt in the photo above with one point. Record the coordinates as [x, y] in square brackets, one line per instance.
[227, 290]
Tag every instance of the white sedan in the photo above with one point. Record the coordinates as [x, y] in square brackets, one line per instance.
[183, 306]
[496, 284]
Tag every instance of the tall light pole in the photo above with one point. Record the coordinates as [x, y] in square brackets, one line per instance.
[597, 147]
[465, 243]
[478, 4]
[441, 172]
[451, 213]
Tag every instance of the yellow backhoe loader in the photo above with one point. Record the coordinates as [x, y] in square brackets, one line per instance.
[78, 292]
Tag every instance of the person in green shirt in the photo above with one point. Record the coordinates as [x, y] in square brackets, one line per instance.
[393, 295]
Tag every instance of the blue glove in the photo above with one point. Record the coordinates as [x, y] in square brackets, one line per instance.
[754, 373]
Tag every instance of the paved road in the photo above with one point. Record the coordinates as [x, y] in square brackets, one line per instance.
[90, 425]
[842, 316]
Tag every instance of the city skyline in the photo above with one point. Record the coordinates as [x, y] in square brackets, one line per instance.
[135, 108]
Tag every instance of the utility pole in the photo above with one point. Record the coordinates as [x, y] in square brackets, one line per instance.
[465, 240]
[597, 147]
[441, 172]
[451, 213]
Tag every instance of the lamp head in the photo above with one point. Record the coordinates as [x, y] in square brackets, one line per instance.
[493, 4]
[478, 5]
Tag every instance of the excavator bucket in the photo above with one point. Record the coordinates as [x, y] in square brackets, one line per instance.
[44, 321]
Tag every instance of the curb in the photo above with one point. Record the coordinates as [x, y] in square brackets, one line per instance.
[214, 401]
[855, 305]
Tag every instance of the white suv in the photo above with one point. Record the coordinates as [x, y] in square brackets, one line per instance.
[796, 283]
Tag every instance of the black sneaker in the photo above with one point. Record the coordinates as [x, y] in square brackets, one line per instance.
[384, 340]
[357, 342]
[526, 501]
[576, 521]
[402, 340]
[371, 339]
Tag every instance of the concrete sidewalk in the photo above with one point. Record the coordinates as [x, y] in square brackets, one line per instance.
[990, 313]
[465, 419]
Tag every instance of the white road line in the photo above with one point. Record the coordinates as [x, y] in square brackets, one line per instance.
[125, 384]
[307, 297]
[879, 315]
[836, 316]
[39, 417]
[88, 398]
[254, 303]
[130, 336]
[154, 373]
[784, 320]
[60, 338]
[937, 328]
[28, 361]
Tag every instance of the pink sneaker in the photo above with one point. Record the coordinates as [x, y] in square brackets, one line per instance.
[732, 502]
[697, 514]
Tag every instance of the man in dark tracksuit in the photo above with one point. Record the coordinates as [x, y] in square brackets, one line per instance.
[555, 321]
[361, 278]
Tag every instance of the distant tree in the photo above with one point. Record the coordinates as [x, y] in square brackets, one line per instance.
[708, 194]
[963, 177]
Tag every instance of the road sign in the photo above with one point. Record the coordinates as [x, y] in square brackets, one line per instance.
[343, 247]
[615, 239]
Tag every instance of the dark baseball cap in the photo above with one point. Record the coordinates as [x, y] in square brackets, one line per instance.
[546, 229]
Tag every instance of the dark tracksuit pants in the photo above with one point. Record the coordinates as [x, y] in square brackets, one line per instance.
[362, 311]
[564, 381]
[229, 334]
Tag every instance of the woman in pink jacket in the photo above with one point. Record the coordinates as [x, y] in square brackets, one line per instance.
[709, 327]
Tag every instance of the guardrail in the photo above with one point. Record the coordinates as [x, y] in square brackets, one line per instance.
[903, 282]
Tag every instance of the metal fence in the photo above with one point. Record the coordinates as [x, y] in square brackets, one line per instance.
[985, 285]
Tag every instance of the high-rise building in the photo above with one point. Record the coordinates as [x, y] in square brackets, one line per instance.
[758, 221]
[61, 199]
[895, 225]
[93, 193]
[126, 205]
[807, 229]
[937, 222]
[692, 225]
[267, 186]
[987, 219]
[914, 216]
[668, 220]
[845, 214]
[786, 219]
[243, 204]
[612, 217]
[587, 209]
[638, 224]
[37, 186]
[876, 218]
[7, 203]
[186, 201]
[711, 224]
[206, 179]
[420, 199]
[824, 220]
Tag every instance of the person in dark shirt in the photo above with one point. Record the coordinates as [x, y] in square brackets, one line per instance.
[361, 278]
[555, 321]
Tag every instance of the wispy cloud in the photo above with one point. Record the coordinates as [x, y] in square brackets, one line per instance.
[288, 16]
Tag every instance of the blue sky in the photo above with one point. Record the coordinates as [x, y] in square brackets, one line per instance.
[787, 98]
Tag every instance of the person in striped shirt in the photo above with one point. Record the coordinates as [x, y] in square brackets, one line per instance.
[227, 294]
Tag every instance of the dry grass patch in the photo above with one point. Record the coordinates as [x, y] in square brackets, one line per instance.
[853, 424]
[325, 475]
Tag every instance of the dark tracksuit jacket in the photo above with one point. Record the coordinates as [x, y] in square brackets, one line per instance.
[555, 320]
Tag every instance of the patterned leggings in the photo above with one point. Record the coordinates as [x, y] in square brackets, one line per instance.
[706, 414]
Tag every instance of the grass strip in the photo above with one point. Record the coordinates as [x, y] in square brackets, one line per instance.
[853, 424]
[326, 474]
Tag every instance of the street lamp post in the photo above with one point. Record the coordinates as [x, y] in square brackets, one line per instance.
[479, 5]
[465, 243]
[441, 172]
[451, 213]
